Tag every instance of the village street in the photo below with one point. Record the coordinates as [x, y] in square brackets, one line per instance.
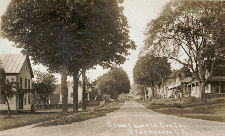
[131, 119]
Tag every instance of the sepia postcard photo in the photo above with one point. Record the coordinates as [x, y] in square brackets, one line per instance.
[112, 68]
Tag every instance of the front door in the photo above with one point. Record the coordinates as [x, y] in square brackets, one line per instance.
[21, 101]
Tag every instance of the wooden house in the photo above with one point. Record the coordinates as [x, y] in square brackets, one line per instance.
[18, 68]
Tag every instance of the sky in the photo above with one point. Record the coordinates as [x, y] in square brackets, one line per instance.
[138, 13]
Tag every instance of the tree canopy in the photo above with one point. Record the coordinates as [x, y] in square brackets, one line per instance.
[191, 33]
[57, 33]
[113, 83]
[149, 70]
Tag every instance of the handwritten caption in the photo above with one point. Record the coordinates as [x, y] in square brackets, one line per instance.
[159, 128]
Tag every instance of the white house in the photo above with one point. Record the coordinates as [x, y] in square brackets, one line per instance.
[56, 97]
[18, 68]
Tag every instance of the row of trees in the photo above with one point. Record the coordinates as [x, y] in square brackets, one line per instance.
[193, 30]
[113, 83]
[69, 36]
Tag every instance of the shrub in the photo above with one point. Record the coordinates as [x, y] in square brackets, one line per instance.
[106, 98]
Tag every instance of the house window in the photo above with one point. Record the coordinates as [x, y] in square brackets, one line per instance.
[28, 83]
[25, 83]
[29, 99]
[25, 99]
[2, 99]
[25, 67]
[21, 82]
[71, 95]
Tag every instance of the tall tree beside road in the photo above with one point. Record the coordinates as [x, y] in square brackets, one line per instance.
[150, 70]
[106, 29]
[193, 30]
[114, 82]
[65, 35]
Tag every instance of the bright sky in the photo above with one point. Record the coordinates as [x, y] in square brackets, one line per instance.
[138, 13]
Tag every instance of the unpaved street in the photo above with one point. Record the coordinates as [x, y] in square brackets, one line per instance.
[132, 119]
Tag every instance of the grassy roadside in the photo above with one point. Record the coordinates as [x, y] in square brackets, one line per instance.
[215, 110]
[54, 117]
[81, 116]
[23, 119]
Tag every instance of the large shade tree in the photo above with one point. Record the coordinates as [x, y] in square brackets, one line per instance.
[150, 70]
[107, 34]
[67, 36]
[191, 33]
[113, 83]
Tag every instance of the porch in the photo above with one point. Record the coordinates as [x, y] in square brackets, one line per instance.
[213, 88]
[25, 99]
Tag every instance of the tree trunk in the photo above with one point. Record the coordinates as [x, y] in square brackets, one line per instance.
[75, 91]
[202, 93]
[145, 97]
[64, 90]
[8, 106]
[45, 100]
[44, 104]
[153, 91]
[84, 89]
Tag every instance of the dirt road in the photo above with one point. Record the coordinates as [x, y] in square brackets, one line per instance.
[132, 119]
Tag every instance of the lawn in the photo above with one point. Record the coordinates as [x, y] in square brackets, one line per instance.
[215, 110]
[81, 116]
[54, 117]
[22, 119]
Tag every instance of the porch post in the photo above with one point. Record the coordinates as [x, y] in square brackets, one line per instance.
[209, 86]
[88, 96]
[187, 89]
[145, 93]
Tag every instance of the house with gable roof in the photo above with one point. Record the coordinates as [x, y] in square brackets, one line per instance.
[18, 68]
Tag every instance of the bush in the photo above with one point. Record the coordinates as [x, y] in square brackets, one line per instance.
[178, 105]
[106, 98]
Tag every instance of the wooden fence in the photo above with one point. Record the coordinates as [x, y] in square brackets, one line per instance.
[58, 106]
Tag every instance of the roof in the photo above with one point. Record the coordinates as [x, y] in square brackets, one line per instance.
[12, 63]
[1, 67]
[168, 81]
